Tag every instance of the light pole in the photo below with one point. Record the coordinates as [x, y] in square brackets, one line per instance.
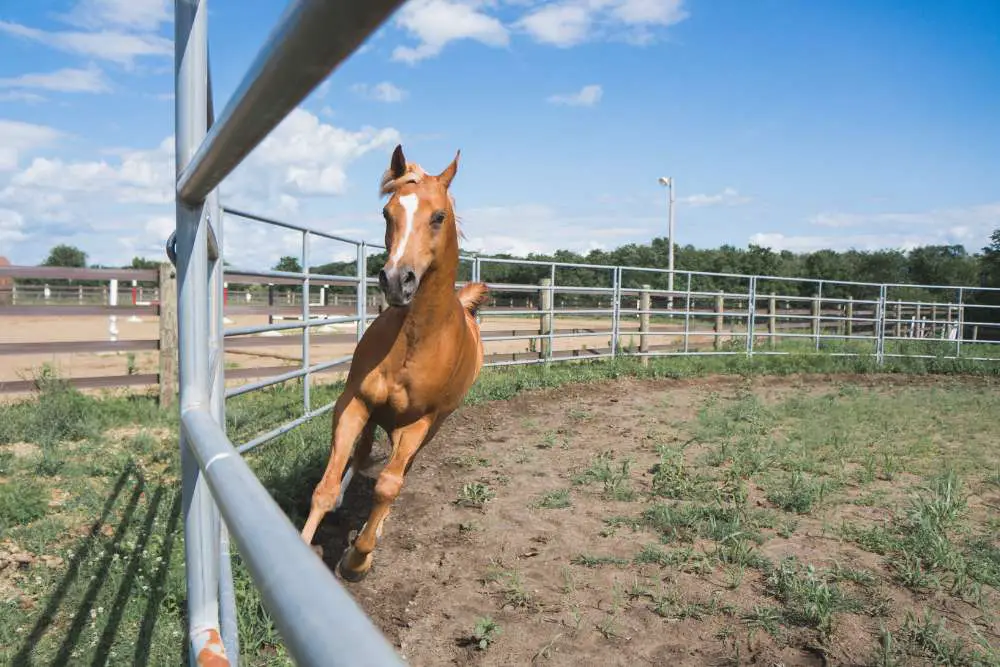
[668, 182]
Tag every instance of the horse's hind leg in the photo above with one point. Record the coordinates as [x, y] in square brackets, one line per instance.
[406, 442]
[350, 417]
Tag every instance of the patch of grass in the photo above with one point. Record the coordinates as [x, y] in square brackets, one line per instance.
[21, 501]
[558, 499]
[474, 494]
[927, 637]
[614, 477]
[588, 560]
[798, 493]
[811, 597]
[486, 632]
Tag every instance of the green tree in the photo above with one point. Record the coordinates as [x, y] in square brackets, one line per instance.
[990, 261]
[288, 263]
[66, 256]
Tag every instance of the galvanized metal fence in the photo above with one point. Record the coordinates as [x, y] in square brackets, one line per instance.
[318, 620]
[713, 313]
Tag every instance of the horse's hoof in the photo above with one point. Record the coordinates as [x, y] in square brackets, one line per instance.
[353, 575]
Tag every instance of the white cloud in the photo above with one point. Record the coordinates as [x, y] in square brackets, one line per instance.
[969, 226]
[984, 214]
[11, 226]
[17, 137]
[435, 23]
[572, 22]
[130, 14]
[380, 92]
[111, 45]
[560, 25]
[538, 228]
[587, 96]
[728, 197]
[68, 80]
[21, 96]
[139, 177]
[120, 202]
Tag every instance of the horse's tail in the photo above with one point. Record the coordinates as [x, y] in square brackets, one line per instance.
[472, 296]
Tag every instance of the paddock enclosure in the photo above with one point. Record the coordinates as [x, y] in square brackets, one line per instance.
[457, 552]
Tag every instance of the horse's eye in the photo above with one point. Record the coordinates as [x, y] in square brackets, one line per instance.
[437, 219]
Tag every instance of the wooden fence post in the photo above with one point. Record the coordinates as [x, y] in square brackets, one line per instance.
[168, 334]
[772, 321]
[545, 304]
[849, 329]
[898, 313]
[934, 314]
[644, 306]
[720, 320]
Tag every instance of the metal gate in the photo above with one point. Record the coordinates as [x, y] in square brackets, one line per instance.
[319, 622]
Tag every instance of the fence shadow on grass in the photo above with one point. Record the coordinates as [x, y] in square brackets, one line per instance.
[98, 576]
[47, 616]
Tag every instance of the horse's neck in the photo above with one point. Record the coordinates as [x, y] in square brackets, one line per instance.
[433, 304]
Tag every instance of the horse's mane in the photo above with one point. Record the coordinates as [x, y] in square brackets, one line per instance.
[413, 173]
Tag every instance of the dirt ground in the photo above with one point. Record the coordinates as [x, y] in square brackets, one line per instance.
[561, 582]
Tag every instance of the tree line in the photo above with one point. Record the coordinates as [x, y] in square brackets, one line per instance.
[927, 265]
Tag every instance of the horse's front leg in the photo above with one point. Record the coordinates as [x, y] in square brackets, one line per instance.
[350, 418]
[406, 442]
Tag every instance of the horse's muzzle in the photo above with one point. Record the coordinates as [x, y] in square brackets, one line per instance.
[398, 284]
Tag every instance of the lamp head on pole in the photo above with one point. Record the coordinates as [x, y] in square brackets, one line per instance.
[665, 180]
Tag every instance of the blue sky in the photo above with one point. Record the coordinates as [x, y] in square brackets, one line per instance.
[803, 125]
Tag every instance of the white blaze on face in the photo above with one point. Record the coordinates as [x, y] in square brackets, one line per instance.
[409, 203]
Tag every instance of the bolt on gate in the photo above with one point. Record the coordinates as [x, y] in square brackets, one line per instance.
[319, 622]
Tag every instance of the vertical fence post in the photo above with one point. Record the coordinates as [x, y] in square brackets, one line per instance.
[849, 314]
[772, 321]
[817, 307]
[719, 319]
[201, 517]
[168, 334]
[306, 401]
[616, 297]
[918, 321]
[113, 302]
[477, 270]
[898, 316]
[751, 314]
[552, 307]
[644, 308]
[934, 317]
[361, 305]
[961, 322]
[545, 323]
[880, 326]
[687, 313]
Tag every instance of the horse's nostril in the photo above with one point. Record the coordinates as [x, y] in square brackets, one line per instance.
[410, 277]
[382, 278]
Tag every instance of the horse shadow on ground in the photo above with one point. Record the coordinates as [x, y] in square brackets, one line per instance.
[88, 548]
[293, 492]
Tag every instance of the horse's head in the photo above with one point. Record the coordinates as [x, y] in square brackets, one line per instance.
[421, 233]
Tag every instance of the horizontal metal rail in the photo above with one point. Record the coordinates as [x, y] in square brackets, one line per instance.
[301, 324]
[312, 38]
[319, 622]
[284, 377]
[289, 225]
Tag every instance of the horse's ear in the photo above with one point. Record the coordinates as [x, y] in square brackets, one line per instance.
[397, 166]
[449, 172]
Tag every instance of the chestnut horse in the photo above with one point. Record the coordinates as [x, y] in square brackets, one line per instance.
[417, 360]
